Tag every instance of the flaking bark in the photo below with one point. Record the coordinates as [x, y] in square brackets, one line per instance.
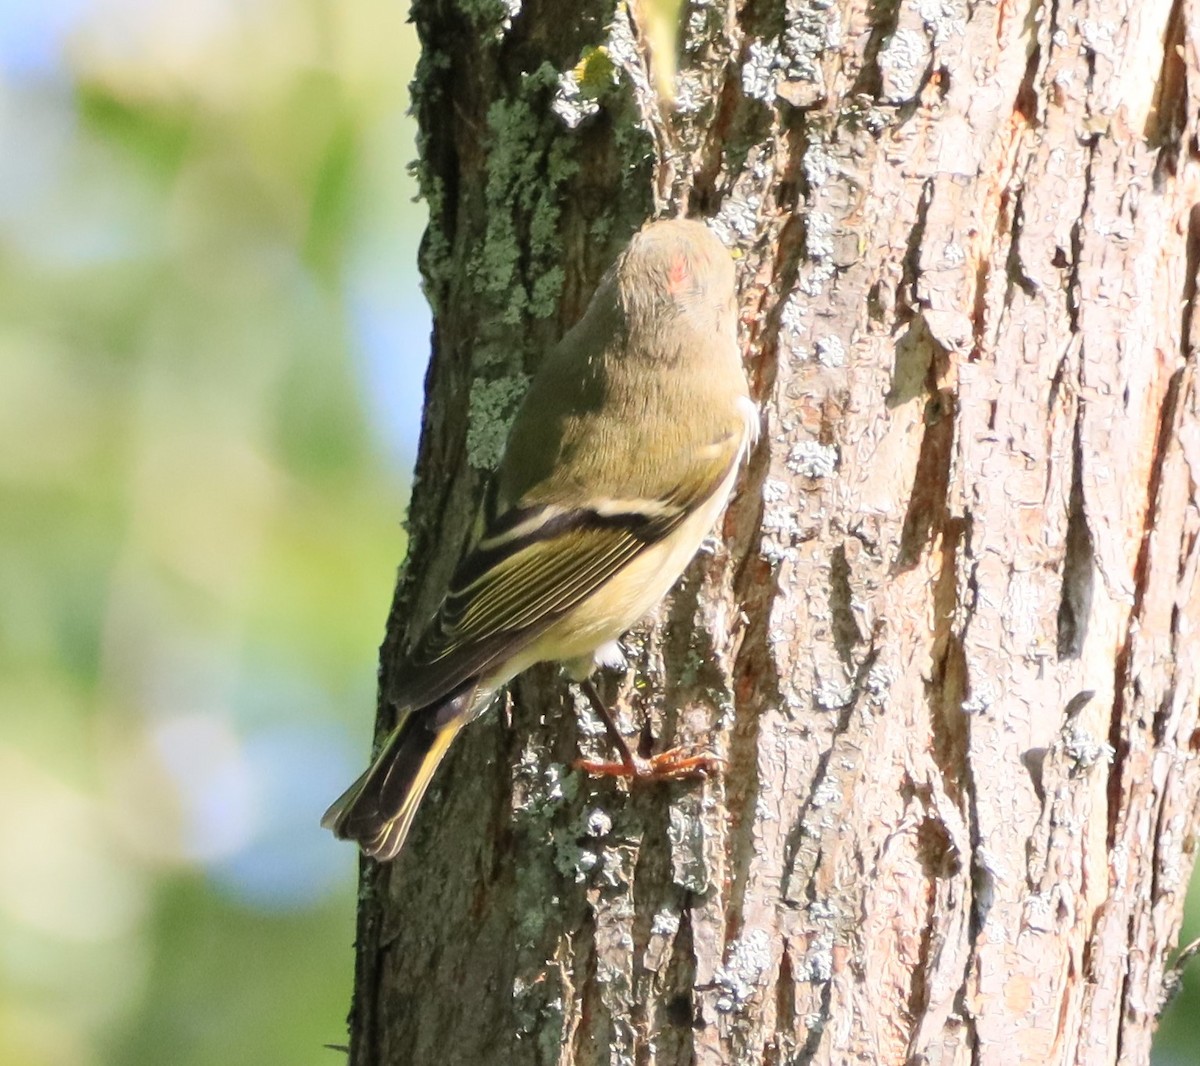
[947, 639]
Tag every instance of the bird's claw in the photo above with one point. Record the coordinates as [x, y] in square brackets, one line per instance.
[675, 764]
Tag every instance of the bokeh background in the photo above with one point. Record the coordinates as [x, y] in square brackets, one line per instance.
[212, 343]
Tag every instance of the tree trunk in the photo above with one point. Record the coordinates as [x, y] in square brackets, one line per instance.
[947, 642]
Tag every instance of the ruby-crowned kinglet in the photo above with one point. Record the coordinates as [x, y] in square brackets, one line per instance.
[618, 463]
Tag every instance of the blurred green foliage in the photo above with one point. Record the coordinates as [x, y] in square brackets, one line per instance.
[211, 349]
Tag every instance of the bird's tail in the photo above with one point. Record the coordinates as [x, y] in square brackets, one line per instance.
[377, 810]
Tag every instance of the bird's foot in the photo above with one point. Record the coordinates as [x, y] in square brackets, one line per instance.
[676, 764]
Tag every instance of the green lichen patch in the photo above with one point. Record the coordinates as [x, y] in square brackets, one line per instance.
[529, 161]
[492, 407]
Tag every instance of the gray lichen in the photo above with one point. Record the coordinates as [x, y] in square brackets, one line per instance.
[810, 458]
[902, 64]
[832, 695]
[943, 18]
[749, 957]
[582, 89]
[818, 960]
[818, 163]
[780, 519]
[789, 66]
[831, 352]
[760, 70]
[1084, 750]
[570, 104]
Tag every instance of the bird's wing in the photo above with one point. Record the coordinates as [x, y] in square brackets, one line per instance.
[533, 564]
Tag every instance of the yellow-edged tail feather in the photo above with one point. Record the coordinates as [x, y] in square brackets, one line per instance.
[377, 810]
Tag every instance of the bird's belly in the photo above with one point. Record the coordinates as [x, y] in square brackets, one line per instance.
[629, 595]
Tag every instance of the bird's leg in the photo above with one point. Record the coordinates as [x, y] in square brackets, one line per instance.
[668, 766]
[631, 764]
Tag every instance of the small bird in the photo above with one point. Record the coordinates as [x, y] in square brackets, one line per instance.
[619, 461]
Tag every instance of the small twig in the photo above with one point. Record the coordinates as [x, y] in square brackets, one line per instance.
[1172, 981]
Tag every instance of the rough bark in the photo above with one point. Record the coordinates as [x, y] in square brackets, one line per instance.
[947, 642]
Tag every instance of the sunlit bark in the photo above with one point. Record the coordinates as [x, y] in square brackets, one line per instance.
[947, 640]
